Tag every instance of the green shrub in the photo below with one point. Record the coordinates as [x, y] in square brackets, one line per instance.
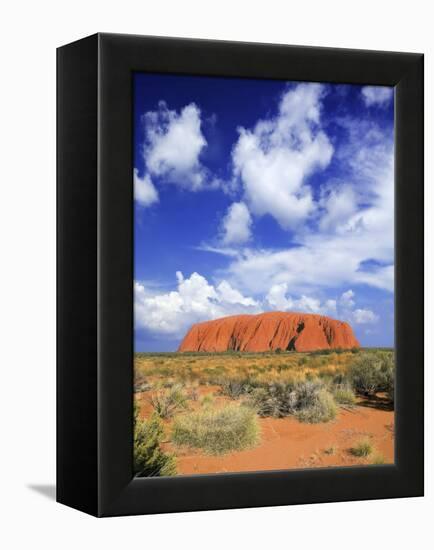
[277, 400]
[344, 395]
[307, 392]
[373, 372]
[217, 431]
[321, 409]
[234, 388]
[167, 402]
[362, 449]
[308, 400]
[149, 459]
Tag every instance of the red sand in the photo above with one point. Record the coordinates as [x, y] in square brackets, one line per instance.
[287, 443]
[269, 331]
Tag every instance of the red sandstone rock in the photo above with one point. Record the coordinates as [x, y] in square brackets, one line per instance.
[270, 331]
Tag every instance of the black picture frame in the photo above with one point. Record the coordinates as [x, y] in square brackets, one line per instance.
[95, 275]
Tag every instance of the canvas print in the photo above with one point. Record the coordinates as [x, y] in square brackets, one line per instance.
[263, 275]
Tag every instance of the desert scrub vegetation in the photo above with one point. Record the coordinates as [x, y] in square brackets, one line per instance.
[309, 401]
[322, 408]
[275, 399]
[344, 395]
[234, 388]
[212, 368]
[372, 372]
[217, 430]
[265, 380]
[149, 459]
[168, 401]
[362, 449]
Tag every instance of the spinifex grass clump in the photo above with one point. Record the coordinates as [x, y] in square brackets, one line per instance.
[322, 408]
[310, 401]
[277, 400]
[149, 459]
[344, 395]
[167, 402]
[362, 449]
[217, 431]
[373, 372]
[234, 388]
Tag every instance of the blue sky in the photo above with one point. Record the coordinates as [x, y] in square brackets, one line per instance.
[258, 195]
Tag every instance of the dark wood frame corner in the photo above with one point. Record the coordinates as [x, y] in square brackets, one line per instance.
[95, 274]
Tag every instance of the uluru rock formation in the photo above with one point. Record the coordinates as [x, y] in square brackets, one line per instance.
[269, 331]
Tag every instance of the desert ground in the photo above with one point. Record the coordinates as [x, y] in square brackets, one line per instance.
[200, 413]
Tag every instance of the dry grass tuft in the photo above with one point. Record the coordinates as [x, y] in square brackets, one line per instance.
[217, 431]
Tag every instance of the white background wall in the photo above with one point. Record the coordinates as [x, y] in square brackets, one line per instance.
[29, 33]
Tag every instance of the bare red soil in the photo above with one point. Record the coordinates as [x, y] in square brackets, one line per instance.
[269, 331]
[287, 443]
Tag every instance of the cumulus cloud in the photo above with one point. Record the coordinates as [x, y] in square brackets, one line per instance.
[236, 224]
[194, 300]
[346, 300]
[278, 299]
[354, 225]
[376, 95]
[363, 316]
[274, 160]
[227, 294]
[348, 311]
[173, 144]
[144, 190]
[339, 204]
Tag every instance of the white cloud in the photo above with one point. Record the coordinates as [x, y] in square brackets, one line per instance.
[339, 204]
[174, 142]
[278, 299]
[231, 252]
[382, 277]
[346, 300]
[376, 95]
[346, 307]
[236, 224]
[144, 191]
[194, 300]
[363, 316]
[355, 224]
[274, 160]
[230, 295]
[342, 308]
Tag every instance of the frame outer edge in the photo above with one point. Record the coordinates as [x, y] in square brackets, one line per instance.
[119, 494]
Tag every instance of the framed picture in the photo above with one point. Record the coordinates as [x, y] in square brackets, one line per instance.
[240, 275]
